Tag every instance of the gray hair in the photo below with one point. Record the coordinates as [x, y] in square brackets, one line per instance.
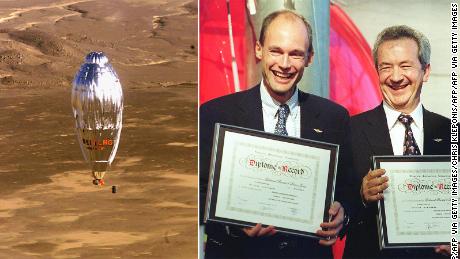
[404, 32]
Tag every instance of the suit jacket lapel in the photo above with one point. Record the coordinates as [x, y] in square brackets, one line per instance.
[435, 138]
[376, 132]
[428, 144]
[250, 105]
[308, 117]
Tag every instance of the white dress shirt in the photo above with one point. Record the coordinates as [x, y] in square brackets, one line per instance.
[270, 112]
[398, 131]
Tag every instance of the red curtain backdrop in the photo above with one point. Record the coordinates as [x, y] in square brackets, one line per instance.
[216, 76]
[353, 78]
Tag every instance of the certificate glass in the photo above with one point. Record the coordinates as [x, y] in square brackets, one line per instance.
[258, 177]
[415, 211]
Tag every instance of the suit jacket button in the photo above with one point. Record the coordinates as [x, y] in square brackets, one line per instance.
[282, 245]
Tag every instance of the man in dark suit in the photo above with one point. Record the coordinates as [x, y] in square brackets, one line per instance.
[400, 125]
[277, 106]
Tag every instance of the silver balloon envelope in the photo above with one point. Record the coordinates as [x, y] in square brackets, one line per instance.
[97, 103]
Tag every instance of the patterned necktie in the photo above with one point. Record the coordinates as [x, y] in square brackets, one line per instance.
[283, 112]
[410, 146]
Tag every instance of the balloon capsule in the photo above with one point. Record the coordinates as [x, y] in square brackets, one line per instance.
[97, 103]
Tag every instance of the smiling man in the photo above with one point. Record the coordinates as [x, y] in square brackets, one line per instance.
[284, 52]
[398, 126]
[276, 105]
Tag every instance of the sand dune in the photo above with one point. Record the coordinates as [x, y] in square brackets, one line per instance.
[18, 13]
[62, 32]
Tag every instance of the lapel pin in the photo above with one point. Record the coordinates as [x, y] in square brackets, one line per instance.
[438, 139]
[318, 130]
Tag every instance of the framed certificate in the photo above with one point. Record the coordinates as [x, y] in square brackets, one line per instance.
[415, 211]
[258, 177]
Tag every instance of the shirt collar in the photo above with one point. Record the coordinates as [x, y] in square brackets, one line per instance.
[392, 115]
[271, 105]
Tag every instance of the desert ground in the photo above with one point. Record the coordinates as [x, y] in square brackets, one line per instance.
[49, 207]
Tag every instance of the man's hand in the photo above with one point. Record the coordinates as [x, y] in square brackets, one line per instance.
[258, 231]
[374, 183]
[333, 227]
[443, 249]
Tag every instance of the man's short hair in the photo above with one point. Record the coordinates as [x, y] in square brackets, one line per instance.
[288, 14]
[404, 32]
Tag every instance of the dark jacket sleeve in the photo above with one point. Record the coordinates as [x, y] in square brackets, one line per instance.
[205, 147]
[345, 191]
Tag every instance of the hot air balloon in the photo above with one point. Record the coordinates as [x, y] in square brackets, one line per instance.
[97, 103]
